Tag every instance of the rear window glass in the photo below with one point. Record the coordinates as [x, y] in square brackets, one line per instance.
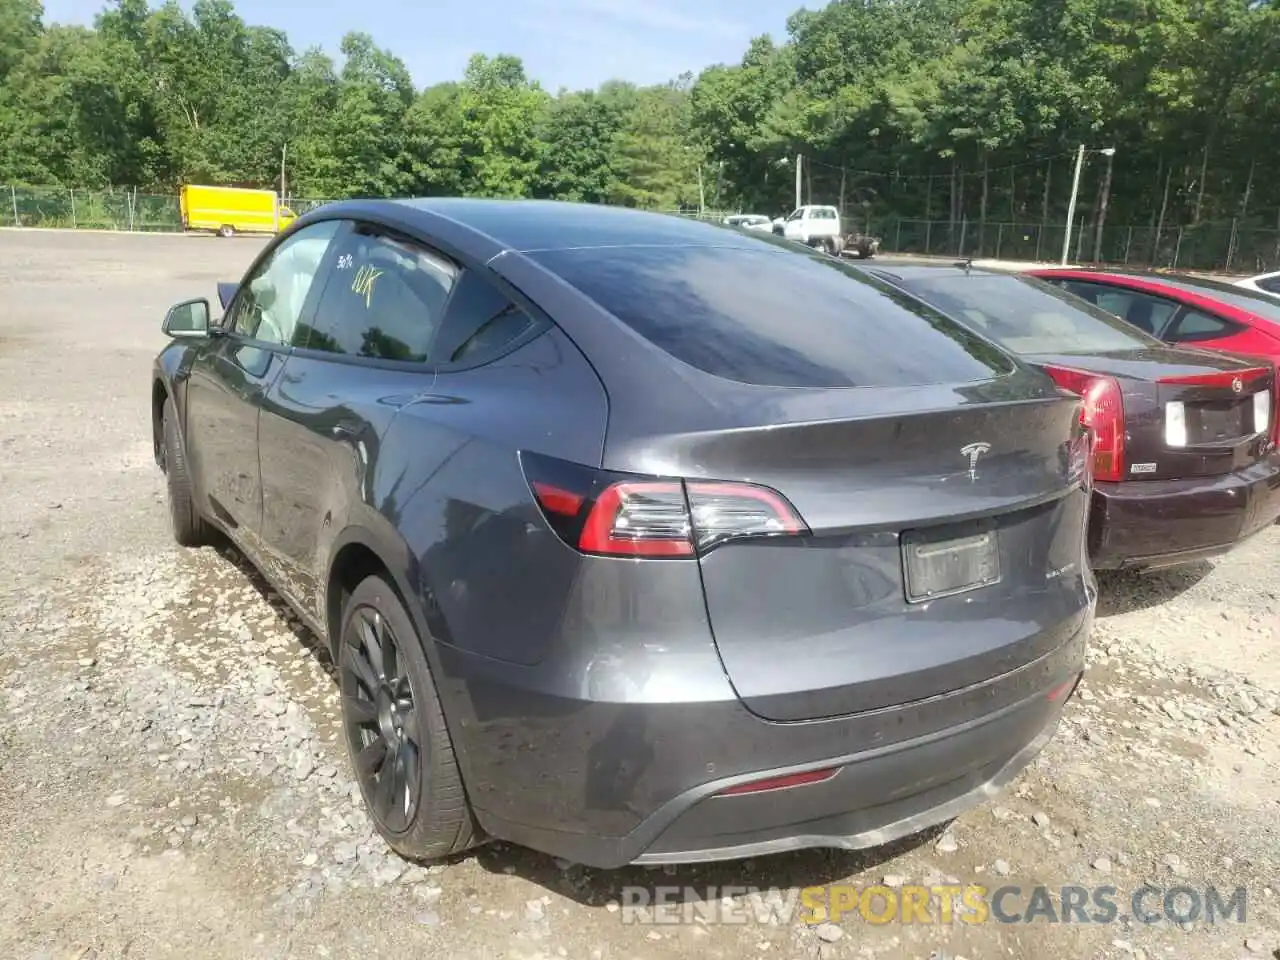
[1027, 316]
[1258, 303]
[776, 317]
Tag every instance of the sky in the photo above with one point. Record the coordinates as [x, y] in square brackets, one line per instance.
[571, 43]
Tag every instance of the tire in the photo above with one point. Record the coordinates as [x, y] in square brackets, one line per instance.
[416, 751]
[188, 526]
[226, 230]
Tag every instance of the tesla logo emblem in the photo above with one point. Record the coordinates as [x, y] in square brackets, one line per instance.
[973, 451]
[1237, 385]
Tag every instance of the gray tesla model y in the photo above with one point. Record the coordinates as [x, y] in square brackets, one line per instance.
[636, 539]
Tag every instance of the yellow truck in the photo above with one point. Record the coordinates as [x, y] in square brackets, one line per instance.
[231, 210]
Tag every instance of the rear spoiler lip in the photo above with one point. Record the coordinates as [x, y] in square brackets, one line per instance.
[1219, 378]
[226, 290]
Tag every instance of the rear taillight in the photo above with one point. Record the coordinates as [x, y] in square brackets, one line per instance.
[1102, 413]
[623, 515]
[1274, 432]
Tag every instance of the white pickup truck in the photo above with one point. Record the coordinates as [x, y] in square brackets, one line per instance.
[817, 226]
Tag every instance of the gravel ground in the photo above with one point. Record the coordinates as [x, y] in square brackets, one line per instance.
[172, 783]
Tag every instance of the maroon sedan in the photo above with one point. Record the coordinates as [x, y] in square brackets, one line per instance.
[1185, 457]
[1183, 311]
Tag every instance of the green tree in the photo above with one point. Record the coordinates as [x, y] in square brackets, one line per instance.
[499, 111]
[656, 158]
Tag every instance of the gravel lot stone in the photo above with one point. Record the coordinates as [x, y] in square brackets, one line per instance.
[173, 782]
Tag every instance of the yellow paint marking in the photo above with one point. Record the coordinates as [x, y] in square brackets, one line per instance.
[363, 283]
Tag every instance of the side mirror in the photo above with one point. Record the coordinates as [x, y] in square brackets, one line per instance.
[188, 319]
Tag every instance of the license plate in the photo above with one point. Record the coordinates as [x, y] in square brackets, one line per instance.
[939, 568]
[1219, 422]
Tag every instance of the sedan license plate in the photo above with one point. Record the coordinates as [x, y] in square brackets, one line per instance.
[939, 568]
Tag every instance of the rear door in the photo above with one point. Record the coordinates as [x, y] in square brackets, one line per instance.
[363, 353]
[235, 369]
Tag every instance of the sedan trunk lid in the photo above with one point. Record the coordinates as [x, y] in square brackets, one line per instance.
[1188, 413]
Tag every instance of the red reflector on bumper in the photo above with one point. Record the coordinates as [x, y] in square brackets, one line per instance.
[1062, 690]
[780, 783]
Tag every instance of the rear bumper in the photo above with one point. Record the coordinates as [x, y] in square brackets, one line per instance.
[1154, 523]
[958, 750]
[876, 798]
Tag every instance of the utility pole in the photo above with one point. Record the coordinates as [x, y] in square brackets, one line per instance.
[1102, 209]
[799, 180]
[1107, 152]
[1071, 207]
[283, 189]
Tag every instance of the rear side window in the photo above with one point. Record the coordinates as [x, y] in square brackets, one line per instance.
[1027, 316]
[1149, 314]
[1193, 326]
[777, 318]
[481, 322]
[1259, 303]
[384, 298]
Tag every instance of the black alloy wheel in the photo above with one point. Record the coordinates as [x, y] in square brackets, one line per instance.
[381, 720]
[395, 729]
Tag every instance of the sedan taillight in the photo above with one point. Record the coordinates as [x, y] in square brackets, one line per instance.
[1103, 414]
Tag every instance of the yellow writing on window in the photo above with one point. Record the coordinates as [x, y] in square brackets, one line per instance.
[362, 284]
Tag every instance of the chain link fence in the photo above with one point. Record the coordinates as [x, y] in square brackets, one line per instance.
[114, 208]
[1227, 247]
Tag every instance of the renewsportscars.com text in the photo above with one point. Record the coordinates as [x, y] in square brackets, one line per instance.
[937, 904]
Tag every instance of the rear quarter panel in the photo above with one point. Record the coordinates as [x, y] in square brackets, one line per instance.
[1250, 343]
[487, 569]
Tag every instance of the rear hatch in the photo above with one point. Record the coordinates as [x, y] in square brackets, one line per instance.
[1188, 413]
[883, 507]
[973, 503]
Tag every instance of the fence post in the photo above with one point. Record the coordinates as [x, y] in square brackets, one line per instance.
[73, 208]
[897, 243]
[1039, 235]
[1231, 243]
[13, 196]
[999, 238]
[130, 196]
[928, 237]
[964, 229]
[1177, 249]
[1128, 243]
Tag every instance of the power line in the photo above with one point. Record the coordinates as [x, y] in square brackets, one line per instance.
[961, 174]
